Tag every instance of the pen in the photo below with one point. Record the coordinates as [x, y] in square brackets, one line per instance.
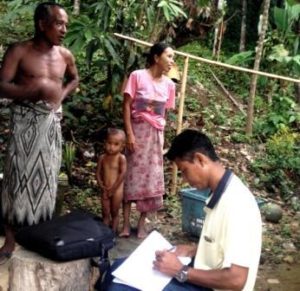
[171, 249]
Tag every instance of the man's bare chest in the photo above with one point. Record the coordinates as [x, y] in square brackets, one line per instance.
[50, 66]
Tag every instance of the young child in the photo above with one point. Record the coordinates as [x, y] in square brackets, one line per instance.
[111, 169]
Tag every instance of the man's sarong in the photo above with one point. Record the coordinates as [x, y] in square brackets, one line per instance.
[144, 182]
[32, 164]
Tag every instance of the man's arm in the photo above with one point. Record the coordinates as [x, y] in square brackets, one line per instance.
[8, 73]
[71, 75]
[233, 278]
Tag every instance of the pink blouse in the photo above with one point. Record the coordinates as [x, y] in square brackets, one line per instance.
[150, 98]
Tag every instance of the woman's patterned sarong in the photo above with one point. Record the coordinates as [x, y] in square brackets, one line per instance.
[144, 181]
[32, 164]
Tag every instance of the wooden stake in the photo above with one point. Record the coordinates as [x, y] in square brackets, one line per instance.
[228, 94]
[179, 120]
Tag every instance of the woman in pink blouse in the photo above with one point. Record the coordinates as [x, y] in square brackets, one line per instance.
[147, 95]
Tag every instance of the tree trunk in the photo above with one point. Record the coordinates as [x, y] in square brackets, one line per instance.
[259, 49]
[243, 26]
[30, 271]
[219, 30]
[76, 9]
[215, 45]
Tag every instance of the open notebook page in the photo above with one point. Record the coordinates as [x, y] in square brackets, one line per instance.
[137, 270]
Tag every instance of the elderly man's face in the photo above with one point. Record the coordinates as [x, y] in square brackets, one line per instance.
[55, 28]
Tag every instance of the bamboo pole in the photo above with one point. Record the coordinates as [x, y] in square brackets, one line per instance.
[215, 62]
[179, 119]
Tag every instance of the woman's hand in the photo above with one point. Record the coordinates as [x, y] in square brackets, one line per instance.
[130, 143]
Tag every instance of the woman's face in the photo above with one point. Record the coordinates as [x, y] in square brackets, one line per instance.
[166, 60]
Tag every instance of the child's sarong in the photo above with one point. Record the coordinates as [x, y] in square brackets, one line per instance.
[32, 164]
[144, 182]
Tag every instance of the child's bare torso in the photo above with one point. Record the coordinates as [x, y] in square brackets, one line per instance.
[111, 166]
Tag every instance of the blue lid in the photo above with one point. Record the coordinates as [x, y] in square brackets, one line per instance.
[195, 193]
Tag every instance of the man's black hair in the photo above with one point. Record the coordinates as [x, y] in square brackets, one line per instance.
[189, 142]
[43, 12]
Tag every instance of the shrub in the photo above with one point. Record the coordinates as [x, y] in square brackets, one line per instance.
[278, 168]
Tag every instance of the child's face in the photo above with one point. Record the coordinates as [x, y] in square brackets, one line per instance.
[114, 144]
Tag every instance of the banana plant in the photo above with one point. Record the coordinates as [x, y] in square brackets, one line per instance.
[92, 33]
[286, 52]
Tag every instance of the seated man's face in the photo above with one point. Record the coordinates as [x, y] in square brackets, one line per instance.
[193, 172]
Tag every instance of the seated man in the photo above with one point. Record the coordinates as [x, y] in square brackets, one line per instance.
[228, 252]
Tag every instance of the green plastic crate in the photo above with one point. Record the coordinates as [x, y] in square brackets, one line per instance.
[193, 202]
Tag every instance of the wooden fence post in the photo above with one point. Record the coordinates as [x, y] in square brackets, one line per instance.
[179, 119]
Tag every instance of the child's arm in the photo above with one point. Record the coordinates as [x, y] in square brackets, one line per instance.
[121, 176]
[99, 172]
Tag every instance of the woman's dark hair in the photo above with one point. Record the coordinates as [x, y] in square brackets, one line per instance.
[43, 12]
[189, 142]
[156, 50]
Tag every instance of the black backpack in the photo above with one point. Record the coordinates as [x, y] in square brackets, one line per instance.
[73, 236]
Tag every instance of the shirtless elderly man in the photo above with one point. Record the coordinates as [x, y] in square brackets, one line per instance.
[37, 74]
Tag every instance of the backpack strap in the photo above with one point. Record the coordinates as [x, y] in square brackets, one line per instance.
[104, 267]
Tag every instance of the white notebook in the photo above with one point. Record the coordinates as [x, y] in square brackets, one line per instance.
[137, 270]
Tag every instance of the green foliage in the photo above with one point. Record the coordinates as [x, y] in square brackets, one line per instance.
[285, 18]
[192, 104]
[90, 37]
[79, 198]
[279, 166]
[69, 152]
[282, 113]
[173, 205]
[286, 231]
[283, 44]
[281, 55]
[16, 21]
[241, 59]
[171, 8]
[240, 137]
[283, 146]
